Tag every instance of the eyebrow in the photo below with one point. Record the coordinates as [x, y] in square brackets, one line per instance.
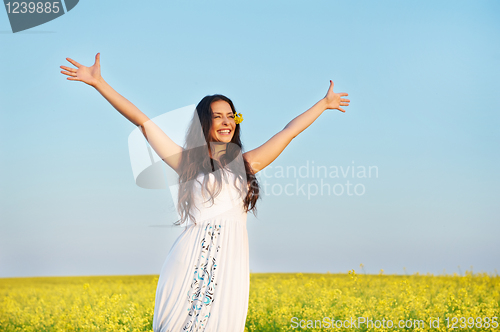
[221, 113]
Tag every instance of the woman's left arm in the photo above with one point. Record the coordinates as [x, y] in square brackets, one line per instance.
[261, 157]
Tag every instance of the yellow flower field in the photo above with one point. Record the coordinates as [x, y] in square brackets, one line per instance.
[278, 302]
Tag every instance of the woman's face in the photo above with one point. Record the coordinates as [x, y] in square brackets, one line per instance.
[223, 124]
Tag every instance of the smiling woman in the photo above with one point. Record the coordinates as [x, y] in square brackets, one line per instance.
[204, 282]
[213, 146]
[223, 121]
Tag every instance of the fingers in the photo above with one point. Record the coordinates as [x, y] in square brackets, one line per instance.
[73, 79]
[344, 104]
[98, 57]
[76, 64]
[73, 70]
[341, 109]
[345, 100]
[342, 94]
[68, 73]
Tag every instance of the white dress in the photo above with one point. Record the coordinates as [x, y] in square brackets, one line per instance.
[205, 280]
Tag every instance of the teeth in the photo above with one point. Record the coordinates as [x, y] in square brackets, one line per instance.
[223, 131]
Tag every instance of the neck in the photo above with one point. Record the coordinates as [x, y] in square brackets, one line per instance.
[217, 149]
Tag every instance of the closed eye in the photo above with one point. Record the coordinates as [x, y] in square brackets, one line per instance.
[217, 116]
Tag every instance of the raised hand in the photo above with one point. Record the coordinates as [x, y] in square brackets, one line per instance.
[334, 100]
[88, 75]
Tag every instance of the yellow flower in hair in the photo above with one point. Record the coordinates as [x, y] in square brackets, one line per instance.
[238, 118]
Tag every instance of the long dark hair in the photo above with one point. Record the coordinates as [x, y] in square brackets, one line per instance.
[196, 159]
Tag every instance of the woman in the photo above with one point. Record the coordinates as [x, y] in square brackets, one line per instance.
[204, 282]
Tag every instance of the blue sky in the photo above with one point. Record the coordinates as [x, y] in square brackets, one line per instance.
[422, 79]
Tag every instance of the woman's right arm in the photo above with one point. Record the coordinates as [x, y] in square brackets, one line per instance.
[167, 149]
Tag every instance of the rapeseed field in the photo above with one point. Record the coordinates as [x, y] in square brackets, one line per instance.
[278, 302]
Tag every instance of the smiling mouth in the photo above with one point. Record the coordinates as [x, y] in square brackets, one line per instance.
[224, 131]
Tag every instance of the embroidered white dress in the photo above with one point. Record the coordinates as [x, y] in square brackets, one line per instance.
[204, 282]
